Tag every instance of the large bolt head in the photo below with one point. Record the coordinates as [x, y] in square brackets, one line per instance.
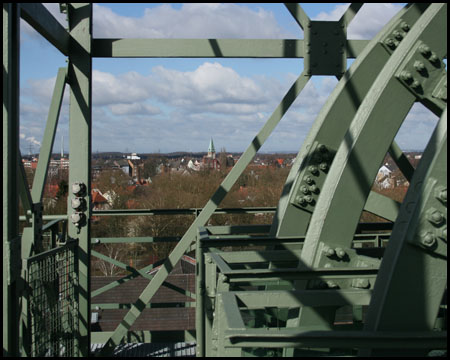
[309, 180]
[434, 58]
[323, 166]
[304, 190]
[427, 239]
[398, 35]
[435, 216]
[390, 42]
[405, 26]
[76, 217]
[78, 188]
[425, 50]
[416, 84]
[309, 199]
[330, 252]
[406, 76]
[313, 170]
[76, 203]
[419, 66]
[340, 253]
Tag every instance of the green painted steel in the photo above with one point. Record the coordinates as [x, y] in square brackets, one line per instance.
[315, 281]
[415, 266]
[49, 137]
[11, 241]
[80, 81]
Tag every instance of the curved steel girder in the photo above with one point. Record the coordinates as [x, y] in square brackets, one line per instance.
[355, 165]
[365, 144]
[292, 219]
[413, 273]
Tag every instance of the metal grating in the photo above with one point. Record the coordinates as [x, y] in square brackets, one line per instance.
[52, 302]
[180, 349]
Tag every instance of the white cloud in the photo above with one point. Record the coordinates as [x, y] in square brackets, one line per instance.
[134, 109]
[369, 20]
[190, 21]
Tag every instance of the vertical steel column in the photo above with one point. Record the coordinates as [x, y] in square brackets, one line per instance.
[11, 240]
[80, 77]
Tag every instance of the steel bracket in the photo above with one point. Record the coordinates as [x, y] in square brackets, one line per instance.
[430, 233]
[423, 73]
[325, 48]
[307, 190]
[332, 256]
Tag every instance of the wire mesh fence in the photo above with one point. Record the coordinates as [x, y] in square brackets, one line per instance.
[53, 303]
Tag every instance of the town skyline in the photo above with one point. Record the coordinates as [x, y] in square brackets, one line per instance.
[163, 105]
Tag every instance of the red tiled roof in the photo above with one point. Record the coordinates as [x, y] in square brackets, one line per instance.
[97, 198]
[51, 191]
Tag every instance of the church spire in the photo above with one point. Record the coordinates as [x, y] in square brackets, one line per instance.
[211, 150]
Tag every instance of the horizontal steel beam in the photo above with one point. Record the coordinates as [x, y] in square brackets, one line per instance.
[208, 48]
[189, 211]
[113, 306]
[290, 337]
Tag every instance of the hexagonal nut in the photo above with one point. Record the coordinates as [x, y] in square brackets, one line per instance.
[78, 188]
[77, 217]
[427, 239]
[435, 217]
[77, 203]
[313, 170]
[324, 166]
[309, 180]
[304, 189]
[340, 253]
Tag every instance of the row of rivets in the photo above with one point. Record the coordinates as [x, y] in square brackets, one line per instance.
[396, 36]
[78, 204]
[428, 238]
[323, 157]
[421, 69]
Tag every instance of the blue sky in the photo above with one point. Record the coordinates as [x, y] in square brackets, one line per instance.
[151, 105]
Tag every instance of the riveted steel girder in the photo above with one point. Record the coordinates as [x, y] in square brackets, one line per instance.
[413, 273]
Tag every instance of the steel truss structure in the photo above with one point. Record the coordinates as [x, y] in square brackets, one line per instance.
[282, 299]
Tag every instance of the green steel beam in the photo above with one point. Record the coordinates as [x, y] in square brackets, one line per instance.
[24, 190]
[276, 338]
[362, 150]
[198, 48]
[382, 205]
[292, 298]
[210, 48]
[299, 14]
[331, 124]
[80, 81]
[357, 160]
[350, 13]
[207, 211]
[142, 273]
[45, 24]
[415, 264]
[189, 211]
[49, 137]
[401, 160]
[158, 305]
[11, 240]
